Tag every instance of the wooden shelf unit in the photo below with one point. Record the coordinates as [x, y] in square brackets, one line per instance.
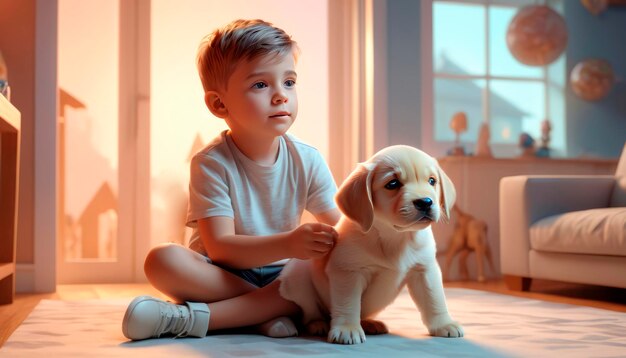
[9, 182]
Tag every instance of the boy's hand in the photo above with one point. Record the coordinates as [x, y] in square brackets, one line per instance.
[311, 240]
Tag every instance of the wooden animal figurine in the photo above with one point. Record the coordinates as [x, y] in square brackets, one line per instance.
[470, 234]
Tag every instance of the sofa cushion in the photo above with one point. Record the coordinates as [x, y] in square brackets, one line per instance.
[596, 231]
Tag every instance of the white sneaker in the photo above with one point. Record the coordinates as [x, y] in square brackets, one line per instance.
[150, 317]
[280, 327]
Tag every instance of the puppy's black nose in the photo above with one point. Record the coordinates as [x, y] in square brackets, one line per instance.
[423, 204]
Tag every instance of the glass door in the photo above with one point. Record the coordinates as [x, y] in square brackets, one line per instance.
[97, 142]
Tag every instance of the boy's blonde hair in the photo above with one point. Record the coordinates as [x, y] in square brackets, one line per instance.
[220, 51]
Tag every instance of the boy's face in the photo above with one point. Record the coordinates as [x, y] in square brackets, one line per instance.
[261, 98]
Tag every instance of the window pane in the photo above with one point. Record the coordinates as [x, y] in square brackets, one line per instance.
[459, 38]
[502, 63]
[516, 107]
[453, 96]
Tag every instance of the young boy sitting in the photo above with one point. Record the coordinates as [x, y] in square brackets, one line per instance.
[248, 190]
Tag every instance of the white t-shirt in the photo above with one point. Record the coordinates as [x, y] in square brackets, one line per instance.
[262, 200]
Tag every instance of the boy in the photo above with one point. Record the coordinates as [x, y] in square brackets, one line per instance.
[248, 189]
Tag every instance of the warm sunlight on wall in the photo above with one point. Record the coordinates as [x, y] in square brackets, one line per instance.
[88, 67]
[92, 75]
[179, 117]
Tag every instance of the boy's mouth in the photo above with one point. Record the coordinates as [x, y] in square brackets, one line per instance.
[280, 114]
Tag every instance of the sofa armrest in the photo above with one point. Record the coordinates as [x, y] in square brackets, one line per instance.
[526, 199]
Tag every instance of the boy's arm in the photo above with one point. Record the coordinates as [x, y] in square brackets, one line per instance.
[246, 251]
[330, 217]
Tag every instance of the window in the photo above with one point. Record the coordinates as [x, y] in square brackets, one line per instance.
[473, 72]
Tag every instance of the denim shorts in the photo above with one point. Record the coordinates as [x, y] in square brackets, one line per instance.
[258, 276]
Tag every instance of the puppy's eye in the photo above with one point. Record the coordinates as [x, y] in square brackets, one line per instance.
[432, 181]
[393, 184]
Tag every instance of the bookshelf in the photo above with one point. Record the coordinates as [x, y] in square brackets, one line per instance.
[9, 182]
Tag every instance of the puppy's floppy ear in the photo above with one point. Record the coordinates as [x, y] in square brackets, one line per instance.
[448, 193]
[354, 197]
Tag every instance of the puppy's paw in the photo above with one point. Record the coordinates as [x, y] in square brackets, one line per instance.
[450, 329]
[318, 328]
[346, 334]
[372, 326]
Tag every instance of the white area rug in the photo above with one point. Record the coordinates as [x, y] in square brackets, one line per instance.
[495, 326]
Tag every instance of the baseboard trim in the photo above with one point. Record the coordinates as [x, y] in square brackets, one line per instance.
[24, 278]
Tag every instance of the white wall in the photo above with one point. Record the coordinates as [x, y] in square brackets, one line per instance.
[88, 66]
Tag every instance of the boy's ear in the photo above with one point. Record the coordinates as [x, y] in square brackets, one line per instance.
[215, 104]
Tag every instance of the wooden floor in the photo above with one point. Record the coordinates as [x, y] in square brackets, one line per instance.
[11, 316]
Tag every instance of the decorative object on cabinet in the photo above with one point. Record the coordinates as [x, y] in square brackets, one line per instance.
[537, 35]
[482, 145]
[544, 149]
[527, 145]
[458, 124]
[592, 79]
[470, 234]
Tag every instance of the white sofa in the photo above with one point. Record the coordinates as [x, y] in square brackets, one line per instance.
[564, 228]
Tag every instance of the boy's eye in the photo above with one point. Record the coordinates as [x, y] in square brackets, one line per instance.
[393, 184]
[290, 83]
[432, 181]
[259, 85]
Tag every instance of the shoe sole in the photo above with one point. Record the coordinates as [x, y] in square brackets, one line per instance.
[129, 311]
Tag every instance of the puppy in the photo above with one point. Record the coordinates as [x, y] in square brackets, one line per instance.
[385, 242]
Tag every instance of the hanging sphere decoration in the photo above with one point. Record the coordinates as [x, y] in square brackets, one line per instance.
[592, 79]
[537, 35]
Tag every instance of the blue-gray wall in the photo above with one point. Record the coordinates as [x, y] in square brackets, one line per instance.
[596, 128]
[593, 128]
[403, 71]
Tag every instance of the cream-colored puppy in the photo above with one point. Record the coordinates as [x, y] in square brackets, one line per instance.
[385, 241]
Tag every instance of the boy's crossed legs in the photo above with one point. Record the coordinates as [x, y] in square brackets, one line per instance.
[185, 276]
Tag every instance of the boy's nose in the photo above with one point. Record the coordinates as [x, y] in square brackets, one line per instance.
[279, 98]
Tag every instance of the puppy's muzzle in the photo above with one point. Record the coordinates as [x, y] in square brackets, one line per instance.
[423, 204]
[424, 208]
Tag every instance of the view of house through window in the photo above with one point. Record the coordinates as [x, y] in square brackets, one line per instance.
[474, 72]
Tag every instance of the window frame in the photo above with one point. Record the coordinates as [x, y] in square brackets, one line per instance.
[429, 75]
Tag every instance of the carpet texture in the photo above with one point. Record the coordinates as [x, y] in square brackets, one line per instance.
[495, 326]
